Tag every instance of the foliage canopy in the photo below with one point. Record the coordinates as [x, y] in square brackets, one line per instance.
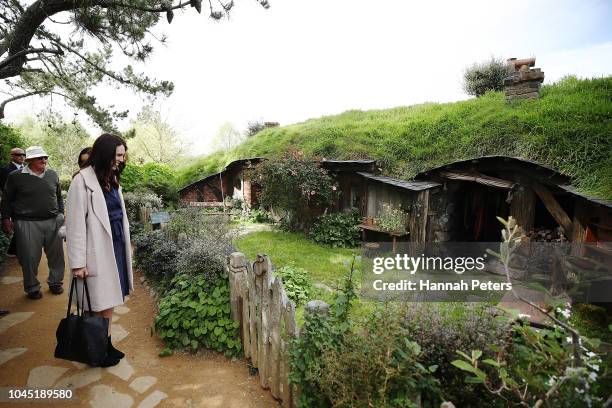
[65, 48]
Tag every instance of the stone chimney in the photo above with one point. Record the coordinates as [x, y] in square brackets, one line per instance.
[524, 82]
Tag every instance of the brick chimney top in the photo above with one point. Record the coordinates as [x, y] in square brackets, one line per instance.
[523, 82]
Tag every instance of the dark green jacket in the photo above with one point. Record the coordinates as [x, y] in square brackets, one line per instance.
[32, 198]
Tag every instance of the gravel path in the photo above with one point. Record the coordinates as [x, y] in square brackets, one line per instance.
[142, 379]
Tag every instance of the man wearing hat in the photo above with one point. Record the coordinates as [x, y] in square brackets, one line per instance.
[32, 208]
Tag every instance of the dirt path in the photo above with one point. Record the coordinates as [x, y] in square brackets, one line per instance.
[142, 379]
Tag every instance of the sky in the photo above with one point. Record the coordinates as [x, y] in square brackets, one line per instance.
[305, 59]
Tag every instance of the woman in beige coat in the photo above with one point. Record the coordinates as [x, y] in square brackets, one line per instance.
[97, 231]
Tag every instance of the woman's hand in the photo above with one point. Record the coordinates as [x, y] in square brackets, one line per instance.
[80, 272]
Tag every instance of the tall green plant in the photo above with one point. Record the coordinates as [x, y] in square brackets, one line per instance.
[318, 334]
[539, 367]
[295, 186]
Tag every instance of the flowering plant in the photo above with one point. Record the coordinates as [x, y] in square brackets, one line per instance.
[391, 218]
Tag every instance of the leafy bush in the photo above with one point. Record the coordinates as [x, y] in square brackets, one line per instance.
[295, 186]
[195, 222]
[10, 137]
[156, 255]
[378, 366]
[536, 368]
[297, 283]
[485, 76]
[441, 329]
[338, 230]
[134, 200]
[203, 257]
[194, 314]
[259, 215]
[65, 183]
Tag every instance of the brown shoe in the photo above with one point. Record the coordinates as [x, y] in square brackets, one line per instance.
[35, 295]
[56, 290]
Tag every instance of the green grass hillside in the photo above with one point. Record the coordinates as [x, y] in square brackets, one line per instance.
[569, 129]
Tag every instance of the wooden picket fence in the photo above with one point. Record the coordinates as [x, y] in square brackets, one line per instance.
[267, 322]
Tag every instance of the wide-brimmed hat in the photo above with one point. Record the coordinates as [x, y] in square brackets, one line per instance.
[33, 152]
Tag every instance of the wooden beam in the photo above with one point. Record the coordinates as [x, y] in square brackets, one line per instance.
[554, 208]
[478, 178]
[522, 207]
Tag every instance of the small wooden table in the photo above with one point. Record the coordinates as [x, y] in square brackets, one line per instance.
[393, 234]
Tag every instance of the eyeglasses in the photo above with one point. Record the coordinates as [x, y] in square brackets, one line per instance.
[18, 154]
[41, 158]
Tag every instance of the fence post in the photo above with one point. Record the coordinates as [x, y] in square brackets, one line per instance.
[236, 268]
[262, 269]
[145, 218]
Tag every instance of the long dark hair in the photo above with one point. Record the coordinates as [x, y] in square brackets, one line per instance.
[102, 157]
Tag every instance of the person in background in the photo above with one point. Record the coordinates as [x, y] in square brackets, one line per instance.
[17, 159]
[32, 208]
[83, 157]
[97, 232]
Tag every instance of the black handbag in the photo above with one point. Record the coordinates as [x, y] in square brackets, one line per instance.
[82, 337]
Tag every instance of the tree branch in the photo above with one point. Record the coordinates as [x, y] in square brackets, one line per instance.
[26, 52]
[15, 98]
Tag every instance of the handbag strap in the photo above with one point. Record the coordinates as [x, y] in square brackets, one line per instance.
[86, 290]
[72, 287]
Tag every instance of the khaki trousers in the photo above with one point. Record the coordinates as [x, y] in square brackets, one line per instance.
[32, 237]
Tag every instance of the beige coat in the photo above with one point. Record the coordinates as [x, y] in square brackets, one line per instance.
[90, 242]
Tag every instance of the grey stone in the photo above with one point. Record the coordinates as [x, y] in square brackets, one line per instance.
[44, 376]
[317, 306]
[12, 319]
[142, 384]
[104, 396]
[122, 370]
[9, 354]
[152, 400]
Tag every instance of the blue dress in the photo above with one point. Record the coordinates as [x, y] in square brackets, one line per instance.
[115, 215]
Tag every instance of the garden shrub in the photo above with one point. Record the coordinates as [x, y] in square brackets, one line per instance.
[378, 366]
[297, 283]
[537, 368]
[10, 137]
[485, 76]
[195, 222]
[338, 230]
[65, 183]
[295, 186]
[441, 329]
[319, 334]
[203, 257]
[156, 255]
[195, 314]
[134, 200]
[258, 215]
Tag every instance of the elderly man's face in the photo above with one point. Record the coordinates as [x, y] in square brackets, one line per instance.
[17, 156]
[38, 164]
